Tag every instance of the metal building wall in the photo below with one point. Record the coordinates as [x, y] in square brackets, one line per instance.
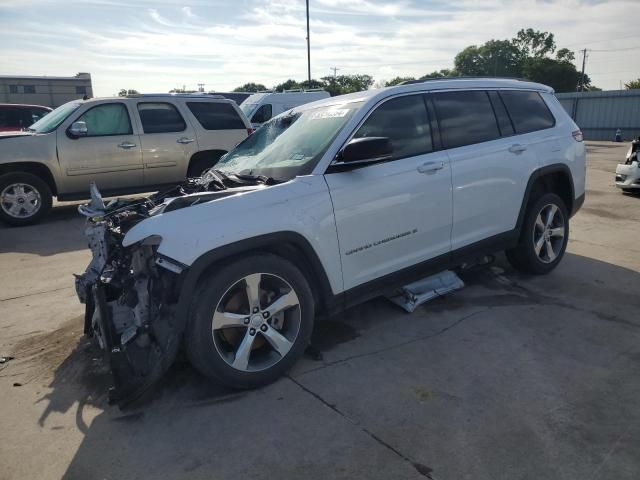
[599, 114]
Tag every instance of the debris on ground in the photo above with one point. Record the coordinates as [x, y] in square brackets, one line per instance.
[4, 360]
[411, 296]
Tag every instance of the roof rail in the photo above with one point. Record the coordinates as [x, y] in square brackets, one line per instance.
[185, 95]
[267, 91]
[474, 77]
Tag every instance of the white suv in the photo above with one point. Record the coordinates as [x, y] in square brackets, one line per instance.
[125, 145]
[325, 206]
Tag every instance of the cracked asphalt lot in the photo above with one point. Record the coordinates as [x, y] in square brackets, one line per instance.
[513, 377]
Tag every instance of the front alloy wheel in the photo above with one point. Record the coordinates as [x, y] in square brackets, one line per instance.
[24, 198]
[249, 321]
[256, 322]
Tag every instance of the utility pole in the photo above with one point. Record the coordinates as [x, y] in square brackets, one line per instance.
[335, 70]
[201, 87]
[308, 47]
[584, 61]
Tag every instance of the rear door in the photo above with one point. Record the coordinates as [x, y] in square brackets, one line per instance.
[167, 140]
[109, 154]
[395, 214]
[490, 165]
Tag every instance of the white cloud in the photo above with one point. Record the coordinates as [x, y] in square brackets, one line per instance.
[158, 45]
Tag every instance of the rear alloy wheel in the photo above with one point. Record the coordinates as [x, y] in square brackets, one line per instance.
[544, 236]
[24, 198]
[250, 321]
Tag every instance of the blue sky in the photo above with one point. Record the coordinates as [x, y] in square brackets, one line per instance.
[153, 46]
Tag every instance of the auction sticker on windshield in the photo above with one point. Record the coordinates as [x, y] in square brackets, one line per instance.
[337, 113]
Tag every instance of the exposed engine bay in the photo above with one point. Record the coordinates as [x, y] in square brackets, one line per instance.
[131, 293]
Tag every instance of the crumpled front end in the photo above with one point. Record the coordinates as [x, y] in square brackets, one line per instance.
[130, 303]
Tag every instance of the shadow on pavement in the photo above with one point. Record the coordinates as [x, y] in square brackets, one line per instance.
[61, 231]
[189, 426]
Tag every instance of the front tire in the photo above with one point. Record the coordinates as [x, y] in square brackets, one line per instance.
[24, 198]
[250, 321]
[543, 238]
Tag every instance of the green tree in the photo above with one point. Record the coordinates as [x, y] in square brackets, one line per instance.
[633, 85]
[250, 87]
[561, 76]
[498, 58]
[288, 85]
[398, 81]
[445, 72]
[341, 84]
[533, 43]
[181, 90]
[124, 92]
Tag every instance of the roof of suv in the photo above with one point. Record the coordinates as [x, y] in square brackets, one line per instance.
[163, 96]
[430, 85]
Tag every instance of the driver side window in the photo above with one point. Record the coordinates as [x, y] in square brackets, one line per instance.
[107, 119]
[405, 122]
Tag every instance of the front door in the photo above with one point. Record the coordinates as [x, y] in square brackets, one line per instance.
[109, 154]
[395, 214]
[168, 142]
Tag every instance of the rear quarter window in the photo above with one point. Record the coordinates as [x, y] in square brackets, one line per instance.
[216, 116]
[160, 117]
[528, 111]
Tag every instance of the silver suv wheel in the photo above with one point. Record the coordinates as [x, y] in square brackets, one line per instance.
[548, 234]
[256, 322]
[20, 200]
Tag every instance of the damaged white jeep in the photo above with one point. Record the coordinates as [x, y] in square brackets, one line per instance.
[325, 206]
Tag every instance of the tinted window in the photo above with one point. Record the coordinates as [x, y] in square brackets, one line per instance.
[160, 118]
[465, 118]
[10, 118]
[29, 89]
[504, 122]
[527, 110]
[216, 116]
[264, 113]
[106, 119]
[37, 114]
[405, 122]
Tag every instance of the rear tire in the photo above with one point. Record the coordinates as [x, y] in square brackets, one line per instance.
[240, 342]
[543, 238]
[24, 198]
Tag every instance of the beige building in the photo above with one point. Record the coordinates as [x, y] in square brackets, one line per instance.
[48, 91]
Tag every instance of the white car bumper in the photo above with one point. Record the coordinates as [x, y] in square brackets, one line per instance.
[628, 176]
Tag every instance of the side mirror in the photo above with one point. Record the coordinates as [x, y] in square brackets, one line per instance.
[366, 149]
[78, 129]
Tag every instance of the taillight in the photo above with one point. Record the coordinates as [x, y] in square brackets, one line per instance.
[250, 131]
[577, 136]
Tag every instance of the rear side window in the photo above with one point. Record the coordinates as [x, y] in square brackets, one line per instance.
[216, 116]
[527, 110]
[465, 118]
[159, 117]
[504, 122]
[107, 119]
[405, 122]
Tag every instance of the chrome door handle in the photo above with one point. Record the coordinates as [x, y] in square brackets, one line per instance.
[430, 167]
[127, 145]
[185, 140]
[517, 148]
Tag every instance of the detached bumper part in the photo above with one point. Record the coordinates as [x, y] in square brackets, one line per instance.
[628, 175]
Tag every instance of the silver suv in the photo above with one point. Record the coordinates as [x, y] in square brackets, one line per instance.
[125, 145]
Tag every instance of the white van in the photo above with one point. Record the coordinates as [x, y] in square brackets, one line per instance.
[260, 107]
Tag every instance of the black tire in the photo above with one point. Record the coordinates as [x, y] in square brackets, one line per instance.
[200, 346]
[32, 182]
[201, 163]
[524, 256]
